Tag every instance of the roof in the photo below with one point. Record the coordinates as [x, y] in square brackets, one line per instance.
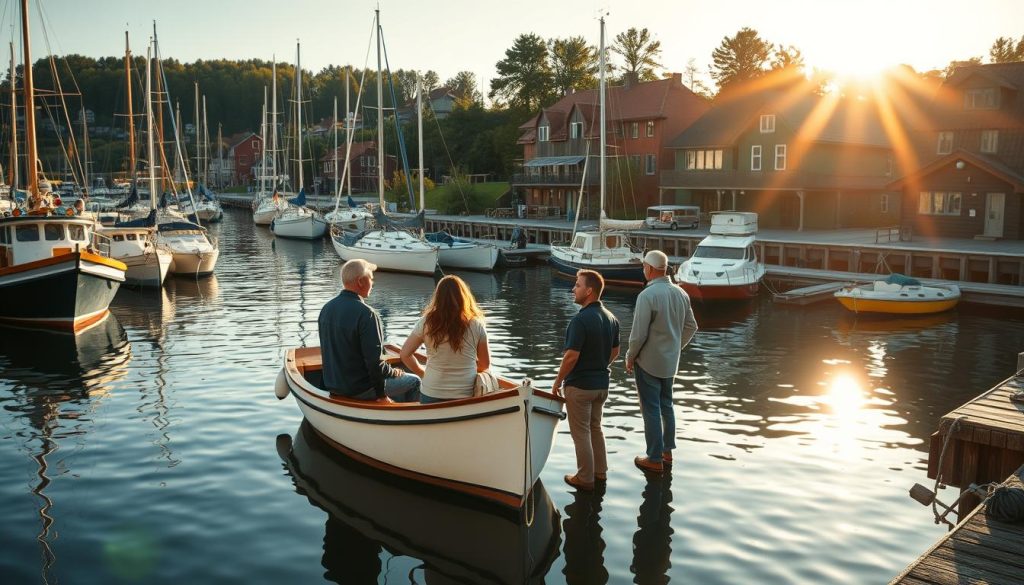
[358, 150]
[236, 139]
[986, 163]
[640, 101]
[947, 108]
[814, 118]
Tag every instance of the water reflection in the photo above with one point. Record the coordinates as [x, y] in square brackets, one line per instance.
[457, 539]
[55, 379]
[584, 545]
[652, 542]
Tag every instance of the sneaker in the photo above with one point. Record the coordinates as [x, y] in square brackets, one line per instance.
[666, 457]
[645, 464]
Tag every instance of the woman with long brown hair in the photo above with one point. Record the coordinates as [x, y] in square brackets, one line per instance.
[452, 329]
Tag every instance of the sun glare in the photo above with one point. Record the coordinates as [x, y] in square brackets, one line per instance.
[845, 396]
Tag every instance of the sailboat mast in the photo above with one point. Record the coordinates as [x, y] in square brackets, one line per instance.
[604, 138]
[31, 156]
[197, 129]
[131, 118]
[150, 147]
[263, 143]
[337, 187]
[220, 143]
[348, 133]
[380, 120]
[298, 110]
[13, 173]
[159, 114]
[419, 133]
[273, 123]
[205, 170]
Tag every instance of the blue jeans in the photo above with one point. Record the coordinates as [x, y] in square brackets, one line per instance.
[405, 388]
[656, 407]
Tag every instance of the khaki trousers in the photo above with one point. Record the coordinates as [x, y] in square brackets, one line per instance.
[584, 408]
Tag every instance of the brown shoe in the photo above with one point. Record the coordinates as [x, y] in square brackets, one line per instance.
[600, 477]
[645, 464]
[579, 484]
[666, 457]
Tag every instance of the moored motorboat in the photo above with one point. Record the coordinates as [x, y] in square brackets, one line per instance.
[195, 253]
[899, 295]
[454, 536]
[147, 263]
[493, 446]
[724, 265]
[605, 252]
[53, 273]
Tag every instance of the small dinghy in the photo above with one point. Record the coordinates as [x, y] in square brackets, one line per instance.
[899, 295]
[492, 446]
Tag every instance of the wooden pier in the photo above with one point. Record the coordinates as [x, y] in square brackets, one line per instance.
[984, 440]
[977, 550]
[809, 294]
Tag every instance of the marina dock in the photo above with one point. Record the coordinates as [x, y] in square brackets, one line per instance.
[978, 550]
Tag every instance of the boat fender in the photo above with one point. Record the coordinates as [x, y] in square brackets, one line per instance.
[281, 389]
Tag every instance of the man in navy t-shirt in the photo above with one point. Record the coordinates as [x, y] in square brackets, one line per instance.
[591, 345]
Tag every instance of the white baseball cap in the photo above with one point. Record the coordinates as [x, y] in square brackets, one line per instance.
[656, 259]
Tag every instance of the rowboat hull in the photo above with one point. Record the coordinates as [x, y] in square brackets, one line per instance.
[493, 447]
[68, 292]
[453, 535]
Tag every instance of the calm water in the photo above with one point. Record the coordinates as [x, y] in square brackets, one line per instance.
[154, 450]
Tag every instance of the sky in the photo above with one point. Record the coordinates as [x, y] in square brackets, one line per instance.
[854, 36]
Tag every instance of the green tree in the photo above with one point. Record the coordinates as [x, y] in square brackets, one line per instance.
[693, 82]
[1005, 50]
[463, 87]
[787, 58]
[573, 64]
[640, 53]
[524, 76]
[740, 58]
[954, 65]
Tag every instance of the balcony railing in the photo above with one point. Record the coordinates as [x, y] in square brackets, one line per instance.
[768, 180]
[541, 179]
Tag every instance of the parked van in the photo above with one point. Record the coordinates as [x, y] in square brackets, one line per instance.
[672, 216]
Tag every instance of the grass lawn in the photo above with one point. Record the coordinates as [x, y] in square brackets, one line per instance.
[487, 193]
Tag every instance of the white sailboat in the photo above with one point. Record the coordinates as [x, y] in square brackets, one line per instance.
[298, 221]
[605, 250]
[353, 218]
[268, 202]
[208, 208]
[195, 252]
[452, 252]
[390, 247]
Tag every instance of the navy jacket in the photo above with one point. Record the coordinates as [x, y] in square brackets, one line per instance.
[351, 343]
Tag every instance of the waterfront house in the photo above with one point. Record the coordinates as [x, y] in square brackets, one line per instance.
[800, 158]
[363, 167]
[641, 119]
[440, 101]
[968, 153]
[245, 151]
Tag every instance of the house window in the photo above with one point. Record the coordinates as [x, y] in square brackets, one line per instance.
[945, 143]
[256, 145]
[650, 164]
[543, 133]
[985, 98]
[780, 157]
[575, 130]
[989, 141]
[371, 161]
[704, 160]
[755, 157]
[242, 159]
[634, 162]
[767, 123]
[883, 203]
[634, 129]
[888, 165]
[650, 129]
[938, 203]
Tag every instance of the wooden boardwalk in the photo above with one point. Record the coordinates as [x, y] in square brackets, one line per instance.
[977, 550]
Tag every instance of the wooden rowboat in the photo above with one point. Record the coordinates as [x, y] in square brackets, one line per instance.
[493, 446]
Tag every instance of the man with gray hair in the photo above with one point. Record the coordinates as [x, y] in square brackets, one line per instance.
[663, 324]
[352, 342]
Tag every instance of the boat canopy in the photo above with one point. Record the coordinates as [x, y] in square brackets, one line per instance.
[902, 280]
[148, 221]
[441, 237]
[176, 226]
[299, 199]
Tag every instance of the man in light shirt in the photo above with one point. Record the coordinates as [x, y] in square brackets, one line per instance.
[663, 324]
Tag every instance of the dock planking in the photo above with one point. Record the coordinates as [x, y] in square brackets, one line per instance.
[977, 550]
[809, 294]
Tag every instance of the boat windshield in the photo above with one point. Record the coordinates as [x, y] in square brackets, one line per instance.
[719, 252]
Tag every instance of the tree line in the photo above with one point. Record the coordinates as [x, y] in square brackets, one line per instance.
[533, 73]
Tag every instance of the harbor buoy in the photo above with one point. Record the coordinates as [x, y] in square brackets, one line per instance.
[281, 385]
